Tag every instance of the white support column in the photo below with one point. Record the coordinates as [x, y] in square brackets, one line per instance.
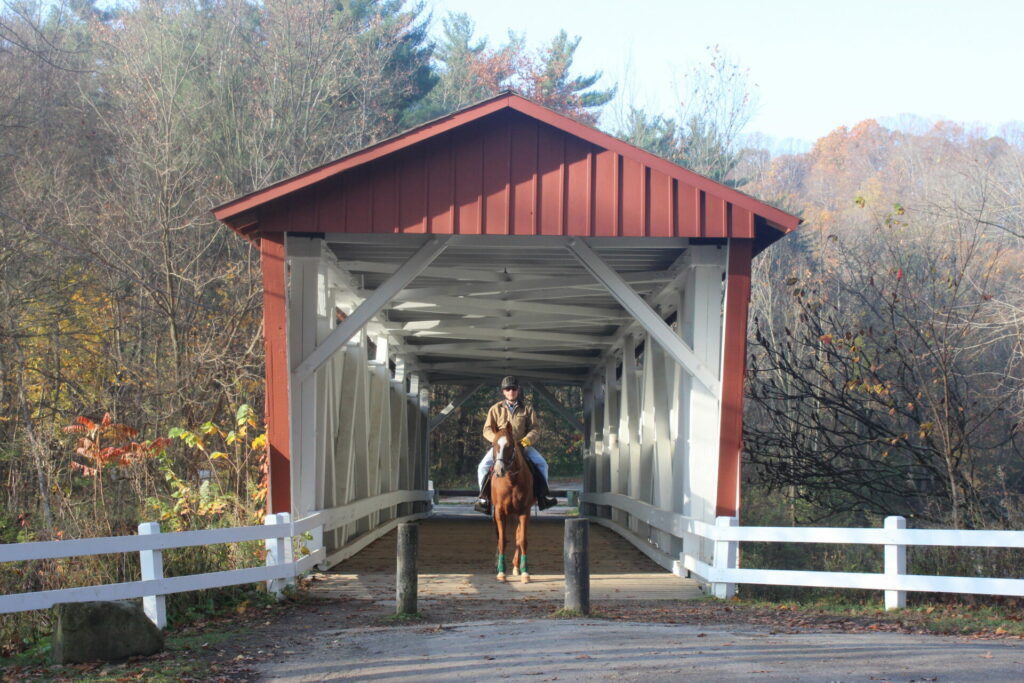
[379, 414]
[361, 432]
[725, 558]
[895, 564]
[152, 564]
[662, 401]
[381, 342]
[608, 462]
[304, 293]
[652, 408]
[629, 420]
[424, 419]
[589, 441]
[701, 327]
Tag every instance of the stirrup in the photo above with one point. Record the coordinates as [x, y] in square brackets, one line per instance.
[545, 502]
[482, 506]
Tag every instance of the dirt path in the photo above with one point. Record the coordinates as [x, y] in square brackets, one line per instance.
[342, 629]
[588, 650]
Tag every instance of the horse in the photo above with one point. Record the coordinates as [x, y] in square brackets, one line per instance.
[512, 497]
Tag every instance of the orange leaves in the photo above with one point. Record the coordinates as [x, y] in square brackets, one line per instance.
[109, 443]
[84, 469]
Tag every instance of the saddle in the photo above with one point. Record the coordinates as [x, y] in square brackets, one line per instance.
[540, 485]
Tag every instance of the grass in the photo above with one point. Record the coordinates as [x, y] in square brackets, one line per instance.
[182, 660]
[957, 618]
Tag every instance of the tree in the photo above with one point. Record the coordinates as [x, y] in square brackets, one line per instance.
[549, 81]
[884, 371]
[468, 70]
[704, 135]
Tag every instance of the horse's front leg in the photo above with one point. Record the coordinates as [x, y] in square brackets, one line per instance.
[524, 571]
[515, 556]
[499, 520]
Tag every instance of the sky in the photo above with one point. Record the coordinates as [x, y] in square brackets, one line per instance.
[816, 65]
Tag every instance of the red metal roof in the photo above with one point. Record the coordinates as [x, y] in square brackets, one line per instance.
[506, 166]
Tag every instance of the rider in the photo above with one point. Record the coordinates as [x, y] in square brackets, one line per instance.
[525, 429]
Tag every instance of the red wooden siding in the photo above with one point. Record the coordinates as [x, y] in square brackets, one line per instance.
[508, 174]
[730, 444]
[276, 345]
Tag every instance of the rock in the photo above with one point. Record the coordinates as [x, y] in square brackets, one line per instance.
[106, 630]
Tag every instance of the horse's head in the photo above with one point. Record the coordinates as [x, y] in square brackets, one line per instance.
[503, 455]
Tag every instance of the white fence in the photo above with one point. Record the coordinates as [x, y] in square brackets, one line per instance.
[279, 533]
[723, 574]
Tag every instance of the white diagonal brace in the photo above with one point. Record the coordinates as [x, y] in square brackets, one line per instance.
[373, 304]
[641, 311]
[562, 411]
[457, 402]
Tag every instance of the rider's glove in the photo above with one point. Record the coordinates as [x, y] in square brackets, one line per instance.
[502, 440]
[526, 442]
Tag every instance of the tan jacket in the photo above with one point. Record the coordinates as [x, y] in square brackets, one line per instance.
[524, 422]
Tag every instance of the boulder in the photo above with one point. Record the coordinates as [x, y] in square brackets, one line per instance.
[103, 630]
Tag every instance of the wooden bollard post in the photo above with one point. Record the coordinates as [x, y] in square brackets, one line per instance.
[576, 560]
[406, 576]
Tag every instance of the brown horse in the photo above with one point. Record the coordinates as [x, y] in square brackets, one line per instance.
[512, 496]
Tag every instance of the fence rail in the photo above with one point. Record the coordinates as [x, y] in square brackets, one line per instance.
[724, 574]
[279, 533]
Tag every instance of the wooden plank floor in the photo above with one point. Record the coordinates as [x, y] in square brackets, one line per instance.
[456, 560]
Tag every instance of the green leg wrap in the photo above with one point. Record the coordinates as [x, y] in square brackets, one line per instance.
[501, 564]
[522, 564]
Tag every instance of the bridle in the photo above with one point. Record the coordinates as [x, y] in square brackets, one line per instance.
[505, 461]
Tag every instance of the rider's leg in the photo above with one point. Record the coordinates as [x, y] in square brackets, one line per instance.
[544, 499]
[484, 467]
[537, 459]
[483, 504]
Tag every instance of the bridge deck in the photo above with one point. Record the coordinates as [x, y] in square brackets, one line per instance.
[456, 560]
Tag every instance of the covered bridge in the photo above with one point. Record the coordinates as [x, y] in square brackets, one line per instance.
[505, 239]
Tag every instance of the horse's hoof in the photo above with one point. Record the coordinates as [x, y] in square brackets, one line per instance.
[515, 571]
[525, 578]
[501, 577]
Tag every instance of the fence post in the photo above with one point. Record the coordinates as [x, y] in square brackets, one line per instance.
[576, 565]
[152, 564]
[406, 575]
[317, 543]
[895, 564]
[278, 553]
[725, 558]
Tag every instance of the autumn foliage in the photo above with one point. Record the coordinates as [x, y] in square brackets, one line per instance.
[108, 443]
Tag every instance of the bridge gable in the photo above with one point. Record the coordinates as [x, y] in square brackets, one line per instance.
[506, 167]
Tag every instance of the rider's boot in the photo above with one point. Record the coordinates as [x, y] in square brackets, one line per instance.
[544, 499]
[483, 503]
